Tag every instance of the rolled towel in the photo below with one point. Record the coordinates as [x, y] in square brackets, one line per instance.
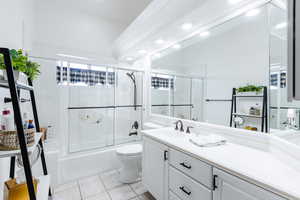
[207, 141]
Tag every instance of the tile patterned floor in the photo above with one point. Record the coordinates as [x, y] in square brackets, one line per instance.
[103, 186]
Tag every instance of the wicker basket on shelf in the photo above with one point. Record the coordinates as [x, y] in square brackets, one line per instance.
[9, 139]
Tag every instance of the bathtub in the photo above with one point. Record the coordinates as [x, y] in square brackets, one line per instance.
[84, 164]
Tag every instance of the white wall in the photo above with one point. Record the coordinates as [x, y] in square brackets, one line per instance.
[69, 31]
[16, 19]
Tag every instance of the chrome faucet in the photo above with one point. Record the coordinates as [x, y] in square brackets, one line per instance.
[181, 125]
[188, 131]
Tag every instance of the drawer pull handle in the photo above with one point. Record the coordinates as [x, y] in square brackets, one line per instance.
[182, 188]
[185, 165]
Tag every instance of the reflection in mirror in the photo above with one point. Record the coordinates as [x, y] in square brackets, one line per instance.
[284, 115]
[195, 79]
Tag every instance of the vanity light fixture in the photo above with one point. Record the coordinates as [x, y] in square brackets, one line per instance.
[281, 25]
[177, 46]
[159, 41]
[186, 26]
[142, 51]
[204, 34]
[253, 13]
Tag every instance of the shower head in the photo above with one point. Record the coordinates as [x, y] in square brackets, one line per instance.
[131, 76]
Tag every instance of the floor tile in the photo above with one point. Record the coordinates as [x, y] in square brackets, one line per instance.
[146, 196]
[121, 193]
[65, 186]
[70, 193]
[111, 179]
[102, 196]
[138, 188]
[91, 186]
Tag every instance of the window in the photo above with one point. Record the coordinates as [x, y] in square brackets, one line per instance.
[162, 81]
[274, 79]
[83, 74]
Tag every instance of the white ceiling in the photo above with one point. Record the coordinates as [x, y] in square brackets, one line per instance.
[123, 11]
[156, 22]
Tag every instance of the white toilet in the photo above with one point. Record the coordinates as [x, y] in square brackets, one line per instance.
[131, 159]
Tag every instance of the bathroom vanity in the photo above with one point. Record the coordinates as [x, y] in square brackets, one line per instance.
[175, 169]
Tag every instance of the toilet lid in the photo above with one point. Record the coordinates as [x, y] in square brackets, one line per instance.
[130, 150]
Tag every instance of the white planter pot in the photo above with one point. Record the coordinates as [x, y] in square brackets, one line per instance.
[16, 75]
[19, 76]
[249, 93]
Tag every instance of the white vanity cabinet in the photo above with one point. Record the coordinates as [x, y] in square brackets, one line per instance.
[169, 174]
[155, 165]
[228, 187]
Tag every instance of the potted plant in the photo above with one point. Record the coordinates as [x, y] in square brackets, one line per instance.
[32, 69]
[21, 65]
[250, 90]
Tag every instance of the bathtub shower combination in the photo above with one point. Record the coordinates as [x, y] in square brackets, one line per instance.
[105, 106]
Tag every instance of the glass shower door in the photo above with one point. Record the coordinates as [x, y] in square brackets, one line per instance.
[91, 111]
[181, 105]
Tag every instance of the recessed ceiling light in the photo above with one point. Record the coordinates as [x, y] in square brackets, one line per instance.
[159, 41]
[204, 34]
[142, 51]
[234, 1]
[253, 12]
[281, 25]
[177, 46]
[129, 59]
[157, 55]
[187, 26]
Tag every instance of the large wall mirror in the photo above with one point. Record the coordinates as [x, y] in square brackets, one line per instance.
[195, 79]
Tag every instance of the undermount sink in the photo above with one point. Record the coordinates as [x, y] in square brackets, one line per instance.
[207, 141]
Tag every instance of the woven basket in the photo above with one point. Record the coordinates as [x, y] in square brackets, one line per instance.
[9, 139]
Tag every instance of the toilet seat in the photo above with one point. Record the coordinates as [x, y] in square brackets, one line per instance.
[130, 150]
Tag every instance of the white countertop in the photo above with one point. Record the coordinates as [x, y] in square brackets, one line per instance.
[259, 167]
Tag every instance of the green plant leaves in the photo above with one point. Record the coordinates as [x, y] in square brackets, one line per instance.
[250, 88]
[20, 62]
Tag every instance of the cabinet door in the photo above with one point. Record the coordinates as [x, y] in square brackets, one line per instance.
[155, 168]
[229, 187]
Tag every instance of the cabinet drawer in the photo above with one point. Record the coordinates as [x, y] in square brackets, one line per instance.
[186, 188]
[173, 196]
[193, 167]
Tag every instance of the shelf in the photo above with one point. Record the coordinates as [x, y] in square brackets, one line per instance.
[4, 84]
[37, 138]
[249, 96]
[246, 115]
[43, 188]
